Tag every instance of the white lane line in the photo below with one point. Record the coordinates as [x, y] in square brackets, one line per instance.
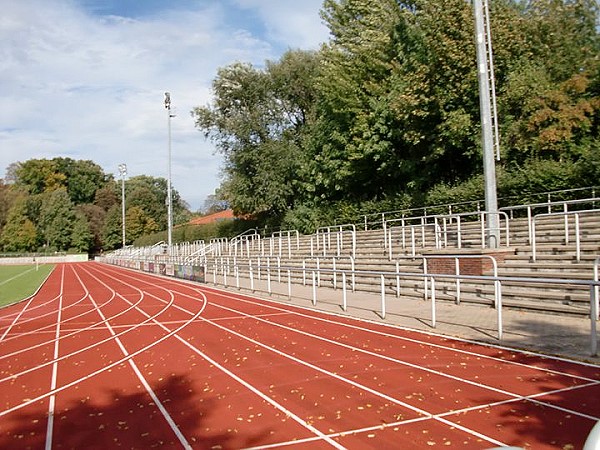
[16, 276]
[246, 384]
[355, 384]
[339, 377]
[16, 319]
[52, 400]
[125, 330]
[417, 341]
[140, 377]
[268, 303]
[109, 366]
[515, 397]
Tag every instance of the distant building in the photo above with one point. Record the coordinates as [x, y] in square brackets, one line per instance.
[211, 218]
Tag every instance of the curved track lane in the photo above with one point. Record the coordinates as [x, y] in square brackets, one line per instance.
[103, 357]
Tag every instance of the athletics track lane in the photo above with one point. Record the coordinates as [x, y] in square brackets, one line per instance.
[143, 361]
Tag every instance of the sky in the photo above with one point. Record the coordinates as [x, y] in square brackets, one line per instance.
[85, 79]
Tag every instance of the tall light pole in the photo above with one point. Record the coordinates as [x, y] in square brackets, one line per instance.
[123, 172]
[169, 200]
[488, 122]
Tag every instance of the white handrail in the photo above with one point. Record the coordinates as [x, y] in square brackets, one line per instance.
[576, 214]
[497, 280]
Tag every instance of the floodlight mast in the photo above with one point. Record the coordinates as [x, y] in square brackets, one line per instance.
[123, 172]
[169, 200]
[488, 122]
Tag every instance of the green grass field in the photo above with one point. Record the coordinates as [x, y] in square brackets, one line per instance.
[19, 282]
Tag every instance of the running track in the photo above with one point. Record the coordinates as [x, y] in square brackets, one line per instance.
[103, 357]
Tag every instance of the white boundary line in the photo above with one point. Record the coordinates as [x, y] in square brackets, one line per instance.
[137, 372]
[515, 397]
[244, 383]
[343, 380]
[281, 306]
[107, 367]
[52, 399]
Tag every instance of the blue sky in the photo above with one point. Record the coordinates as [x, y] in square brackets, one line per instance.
[85, 79]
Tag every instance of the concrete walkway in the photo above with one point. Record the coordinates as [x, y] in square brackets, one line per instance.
[561, 336]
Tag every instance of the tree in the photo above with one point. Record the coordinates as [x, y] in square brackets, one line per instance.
[94, 215]
[8, 196]
[150, 194]
[19, 234]
[39, 175]
[82, 178]
[82, 238]
[214, 203]
[256, 121]
[56, 219]
[138, 223]
[107, 196]
[112, 229]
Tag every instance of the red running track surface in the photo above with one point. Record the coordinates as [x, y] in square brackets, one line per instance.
[103, 357]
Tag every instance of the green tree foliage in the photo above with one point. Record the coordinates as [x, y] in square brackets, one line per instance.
[56, 219]
[68, 201]
[138, 223]
[19, 234]
[256, 120]
[112, 234]
[82, 238]
[150, 195]
[94, 216]
[389, 108]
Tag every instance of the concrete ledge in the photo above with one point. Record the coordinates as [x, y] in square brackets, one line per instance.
[44, 259]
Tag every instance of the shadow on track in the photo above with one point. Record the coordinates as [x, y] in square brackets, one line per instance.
[127, 421]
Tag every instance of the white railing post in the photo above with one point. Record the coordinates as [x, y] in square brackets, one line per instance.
[344, 293]
[382, 296]
[433, 318]
[577, 239]
[457, 272]
[593, 316]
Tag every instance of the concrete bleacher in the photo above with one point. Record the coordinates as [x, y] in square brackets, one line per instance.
[409, 247]
[555, 259]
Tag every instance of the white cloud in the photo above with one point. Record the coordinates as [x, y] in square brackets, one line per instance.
[92, 87]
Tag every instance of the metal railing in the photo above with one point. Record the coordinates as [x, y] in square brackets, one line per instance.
[323, 239]
[430, 278]
[548, 206]
[281, 239]
[450, 208]
[456, 259]
[577, 232]
[441, 232]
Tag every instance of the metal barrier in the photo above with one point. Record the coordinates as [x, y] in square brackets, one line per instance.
[281, 237]
[338, 232]
[427, 278]
[548, 206]
[440, 226]
[457, 258]
[576, 215]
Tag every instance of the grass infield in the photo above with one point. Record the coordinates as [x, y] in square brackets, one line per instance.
[20, 281]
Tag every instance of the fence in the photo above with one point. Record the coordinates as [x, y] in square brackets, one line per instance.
[294, 272]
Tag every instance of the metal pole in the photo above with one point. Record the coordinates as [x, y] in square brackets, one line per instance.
[487, 139]
[169, 200]
[123, 172]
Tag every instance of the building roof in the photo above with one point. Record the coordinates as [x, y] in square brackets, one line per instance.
[210, 218]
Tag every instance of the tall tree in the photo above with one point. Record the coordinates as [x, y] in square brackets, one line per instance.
[19, 234]
[82, 238]
[256, 121]
[112, 236]
[56, 219]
